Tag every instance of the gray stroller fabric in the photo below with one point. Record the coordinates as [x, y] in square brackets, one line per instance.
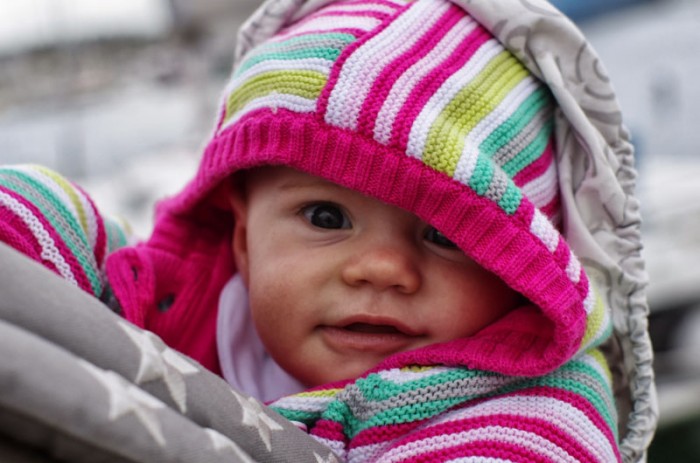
[80, 384]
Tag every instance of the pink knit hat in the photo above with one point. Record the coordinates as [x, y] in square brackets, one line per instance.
[416, 104]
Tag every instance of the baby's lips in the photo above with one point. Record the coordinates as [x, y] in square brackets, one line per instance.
[373, 324]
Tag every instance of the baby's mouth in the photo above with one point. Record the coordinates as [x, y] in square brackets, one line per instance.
[363, 334]
[372, 329]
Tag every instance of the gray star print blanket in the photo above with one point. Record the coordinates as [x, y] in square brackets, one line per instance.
[80, 384]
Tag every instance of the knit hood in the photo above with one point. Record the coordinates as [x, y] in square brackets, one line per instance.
[546, 205]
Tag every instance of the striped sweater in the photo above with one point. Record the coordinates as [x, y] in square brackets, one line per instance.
[54, 222]
[457, 414]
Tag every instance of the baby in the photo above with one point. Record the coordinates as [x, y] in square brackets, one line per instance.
[343, 279]
[377, 218]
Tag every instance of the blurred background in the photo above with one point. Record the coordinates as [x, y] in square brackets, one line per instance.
[119, 96]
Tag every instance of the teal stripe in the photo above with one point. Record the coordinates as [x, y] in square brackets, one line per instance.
[511, 199]
[328, 39]
[116, 235]
[324, 46]
[414, 412]
[377, 389]
[61, 219]
[329, 54]
[515, 124]
[481, 178]
[531, 152]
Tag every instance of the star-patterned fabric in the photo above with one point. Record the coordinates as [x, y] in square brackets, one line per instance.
[103, 389]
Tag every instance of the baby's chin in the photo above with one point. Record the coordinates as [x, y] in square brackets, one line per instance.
[330, 374]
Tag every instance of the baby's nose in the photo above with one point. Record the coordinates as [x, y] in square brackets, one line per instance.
[384, 266]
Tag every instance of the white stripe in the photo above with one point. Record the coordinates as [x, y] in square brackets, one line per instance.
[542, 189]
[307, 404]
[319, 65]
[329, 24]
[590, 300]
[446, 93]
[49, 251]
[405, 84]
[398, 376]
[542, 228]
[510, 104]
[336, 447]
[368, 452]
[374, 7]
[274, 101]
[573, 268]
[360, 71]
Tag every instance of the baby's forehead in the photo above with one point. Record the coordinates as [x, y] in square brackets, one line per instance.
[286, 179]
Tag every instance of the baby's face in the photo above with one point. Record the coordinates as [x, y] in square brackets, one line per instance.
[339, 281]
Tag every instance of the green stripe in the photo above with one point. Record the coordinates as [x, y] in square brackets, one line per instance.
[472, 104]
[72, 236]
[305, 84]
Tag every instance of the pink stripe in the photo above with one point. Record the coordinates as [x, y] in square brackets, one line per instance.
[328, 429]
[329, 12]
[393, 70]
[16, 233]
[545, 429]
[379, 434]
[551, 208]
[578, 402]
[537, 168]
[433, 81]
[583, 285]
[65, 252]
[346, 53]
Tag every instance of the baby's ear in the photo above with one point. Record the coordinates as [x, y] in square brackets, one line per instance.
[235, 192]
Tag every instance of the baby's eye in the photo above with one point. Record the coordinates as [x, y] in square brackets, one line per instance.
[435, 237]
[326, 215]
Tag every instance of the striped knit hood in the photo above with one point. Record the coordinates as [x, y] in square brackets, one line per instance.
[492, 121]
[418, 105]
